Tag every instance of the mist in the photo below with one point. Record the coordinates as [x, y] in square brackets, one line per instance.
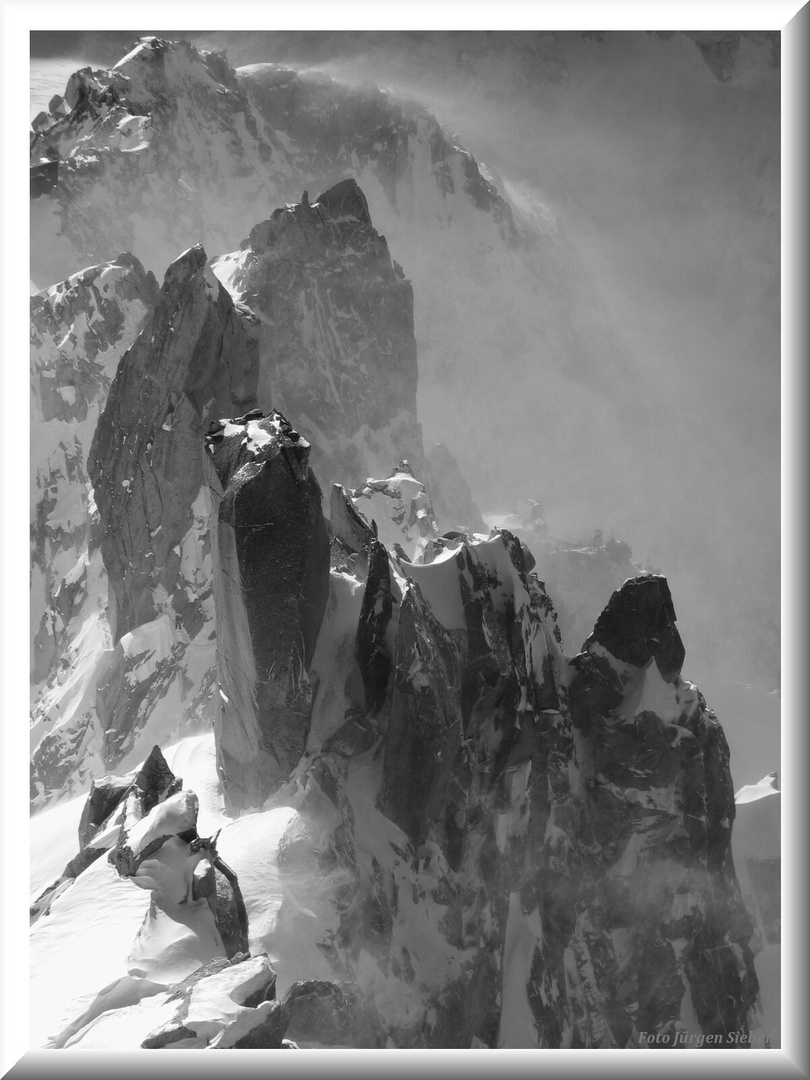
[665, 182]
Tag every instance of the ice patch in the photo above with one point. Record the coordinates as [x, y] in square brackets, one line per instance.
[768, 785]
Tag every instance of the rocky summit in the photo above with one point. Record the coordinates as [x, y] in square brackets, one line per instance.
[337, 346]
[271, 565]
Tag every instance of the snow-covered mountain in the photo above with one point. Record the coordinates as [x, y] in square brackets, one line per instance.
[319, 321]
[261, 604]
[445, 832]
[172, 147]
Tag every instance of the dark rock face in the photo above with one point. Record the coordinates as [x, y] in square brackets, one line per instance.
[337, 341]
[424, 729]
[271, 559]
[371, 650]
[152, 783]
[345, 201]
[348, 526]
[459, 659]
[105, 794]
[232, 920]
[136, 794]
[321, 1012]
[638, 625]
[196, 357]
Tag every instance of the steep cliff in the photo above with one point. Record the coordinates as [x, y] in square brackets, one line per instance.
[80, 328]
[271, 566]
[337, 347]
[317, 316]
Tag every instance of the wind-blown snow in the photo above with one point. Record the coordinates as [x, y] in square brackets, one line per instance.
[768, 785]
[81, 946]
[53, 842]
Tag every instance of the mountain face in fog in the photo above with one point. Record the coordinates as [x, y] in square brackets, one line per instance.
[447, 824]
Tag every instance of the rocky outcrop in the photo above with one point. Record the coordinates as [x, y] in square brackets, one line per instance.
[655, 764]
[80, 329]
[196, 358]
[111, 822]
[271, 565]
[242, 1026]
[400, 511]
[336, 341]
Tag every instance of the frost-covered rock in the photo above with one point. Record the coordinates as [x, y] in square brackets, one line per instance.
[271, 566]
[196, 357]
[401, 512]
[336, 340]
[227, 1006]
[223, 1004]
